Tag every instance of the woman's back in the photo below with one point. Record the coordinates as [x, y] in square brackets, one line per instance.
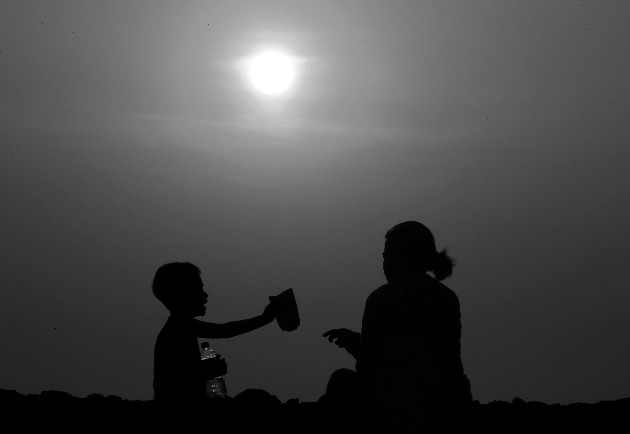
[410, 344]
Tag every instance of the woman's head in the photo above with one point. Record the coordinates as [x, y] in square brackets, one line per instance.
[410, 250]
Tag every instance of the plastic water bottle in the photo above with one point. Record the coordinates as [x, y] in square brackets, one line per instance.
[215, 387]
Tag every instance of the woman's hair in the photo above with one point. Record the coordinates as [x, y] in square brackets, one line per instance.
[171, 279]
[410, 246]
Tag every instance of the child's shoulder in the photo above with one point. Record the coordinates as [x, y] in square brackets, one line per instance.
[175, 325]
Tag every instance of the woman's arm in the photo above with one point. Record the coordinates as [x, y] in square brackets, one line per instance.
[234, 328]
[346, 339]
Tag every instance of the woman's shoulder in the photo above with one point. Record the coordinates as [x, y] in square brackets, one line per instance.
[383, 291]
[413, 288]
[447, 295]
[423, 287]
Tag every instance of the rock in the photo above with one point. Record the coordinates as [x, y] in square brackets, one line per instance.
[256, 410]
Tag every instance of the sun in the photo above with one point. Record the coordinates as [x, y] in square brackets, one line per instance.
[271, 72]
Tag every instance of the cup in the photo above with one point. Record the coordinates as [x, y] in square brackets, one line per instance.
[286, 310]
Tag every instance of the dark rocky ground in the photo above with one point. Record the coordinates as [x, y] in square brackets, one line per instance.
[257, 411]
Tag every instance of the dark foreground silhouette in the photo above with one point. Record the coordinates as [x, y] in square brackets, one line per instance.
[409, 376]
[256, 411]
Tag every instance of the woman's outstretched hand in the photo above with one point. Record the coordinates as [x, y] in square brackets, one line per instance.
[345, 339]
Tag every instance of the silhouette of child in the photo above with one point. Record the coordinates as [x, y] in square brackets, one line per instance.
[408, 361]
[179, 375]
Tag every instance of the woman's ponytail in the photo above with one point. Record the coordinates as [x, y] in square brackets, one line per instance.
[442, 265]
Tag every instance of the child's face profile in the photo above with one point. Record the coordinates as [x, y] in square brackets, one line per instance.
[194, 299]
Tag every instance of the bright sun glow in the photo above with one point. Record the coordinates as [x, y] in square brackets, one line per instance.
[271, 73]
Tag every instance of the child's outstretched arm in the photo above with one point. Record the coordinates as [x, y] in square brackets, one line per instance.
[234, 328]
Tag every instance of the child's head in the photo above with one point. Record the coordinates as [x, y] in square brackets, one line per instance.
[179, 286]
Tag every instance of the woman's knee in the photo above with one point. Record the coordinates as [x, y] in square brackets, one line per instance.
[343, 383]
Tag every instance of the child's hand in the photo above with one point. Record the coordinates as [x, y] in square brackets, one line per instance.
[214, 367]
[221, 366]
[269, 314]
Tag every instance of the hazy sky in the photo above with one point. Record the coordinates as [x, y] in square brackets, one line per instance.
[129, 139]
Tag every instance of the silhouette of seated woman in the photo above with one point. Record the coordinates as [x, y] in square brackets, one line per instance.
[408, 362]
[179, 376]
